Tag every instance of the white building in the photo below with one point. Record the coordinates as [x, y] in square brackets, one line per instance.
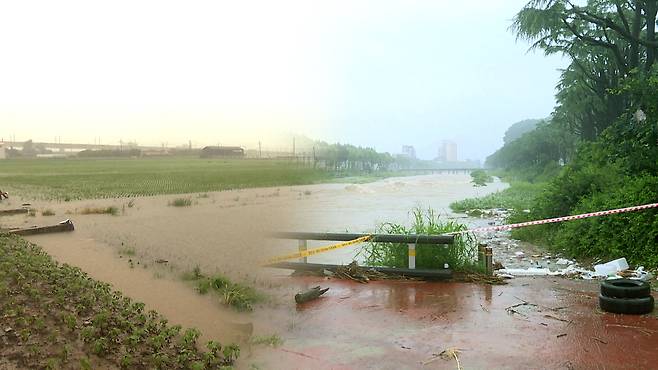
[409, 151]
[3, 151]
[448, 152]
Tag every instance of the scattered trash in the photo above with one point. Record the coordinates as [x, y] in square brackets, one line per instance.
[612, 267]
[637, 274]
[519, 254]
[532, 271]
[448, 354]
[160, 260]
[599, 340]
[563, 261]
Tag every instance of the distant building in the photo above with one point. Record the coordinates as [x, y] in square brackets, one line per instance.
[448, 152]
[3, 151]
[222, 151]
[409, 151]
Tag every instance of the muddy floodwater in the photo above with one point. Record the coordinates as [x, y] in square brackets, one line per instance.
[362, 207]
[144, 248]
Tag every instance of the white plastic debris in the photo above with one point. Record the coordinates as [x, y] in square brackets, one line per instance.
[532, 271]
[612, 267]
[563, 261]
[519, 254]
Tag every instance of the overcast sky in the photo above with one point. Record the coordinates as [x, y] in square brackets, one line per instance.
[373, 73]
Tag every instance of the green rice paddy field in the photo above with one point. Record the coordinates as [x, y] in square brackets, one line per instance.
[70, 179]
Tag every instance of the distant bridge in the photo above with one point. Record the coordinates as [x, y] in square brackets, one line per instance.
[453, 171]
[71, 147]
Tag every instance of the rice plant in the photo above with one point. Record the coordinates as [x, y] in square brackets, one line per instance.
[460, 256]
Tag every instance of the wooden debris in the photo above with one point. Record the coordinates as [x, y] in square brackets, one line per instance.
[310, 294]
[65, 225]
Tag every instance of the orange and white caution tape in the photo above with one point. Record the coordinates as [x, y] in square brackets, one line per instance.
[559, 219]
[310, 252]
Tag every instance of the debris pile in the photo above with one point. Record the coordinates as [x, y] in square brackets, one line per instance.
[357, 273]
[515, 258]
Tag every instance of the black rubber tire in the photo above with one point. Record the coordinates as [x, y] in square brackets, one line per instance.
[625, 288]
[633, 306]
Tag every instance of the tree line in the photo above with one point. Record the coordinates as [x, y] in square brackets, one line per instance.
[599, 147]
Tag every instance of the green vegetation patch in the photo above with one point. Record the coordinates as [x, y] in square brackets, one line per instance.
[519, 196]
[47, 212]
[239, 296]
[181, 202]
[58, 317]
[267, 340]
[112, 210]
[460, 256]
[480, 178]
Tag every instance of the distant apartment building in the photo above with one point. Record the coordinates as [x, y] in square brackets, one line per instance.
[448, 152]
[409, 151]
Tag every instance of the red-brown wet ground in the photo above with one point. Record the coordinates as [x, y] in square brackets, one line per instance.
[400, 325]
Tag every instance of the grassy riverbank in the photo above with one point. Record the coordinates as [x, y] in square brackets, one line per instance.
[519, 196]
[57, 317]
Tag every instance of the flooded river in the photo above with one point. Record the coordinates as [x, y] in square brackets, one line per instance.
[362, 207]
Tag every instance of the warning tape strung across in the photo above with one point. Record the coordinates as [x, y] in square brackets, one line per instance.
[558, 219]
[311, 252]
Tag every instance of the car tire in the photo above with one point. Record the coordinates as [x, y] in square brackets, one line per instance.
[633, 306]
[625, 288]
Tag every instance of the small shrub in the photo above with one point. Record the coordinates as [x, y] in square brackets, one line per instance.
[127, 251]
[112, 210]
[181, 202]
[269, 340]
[480, 178]
[48, 212]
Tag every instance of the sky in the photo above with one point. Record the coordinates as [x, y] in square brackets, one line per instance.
[373, 73]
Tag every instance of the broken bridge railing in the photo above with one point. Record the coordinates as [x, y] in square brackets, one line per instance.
[412, 240]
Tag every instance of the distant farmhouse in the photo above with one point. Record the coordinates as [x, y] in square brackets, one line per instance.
[222, 151]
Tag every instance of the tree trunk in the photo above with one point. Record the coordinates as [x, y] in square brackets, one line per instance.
[651, 8]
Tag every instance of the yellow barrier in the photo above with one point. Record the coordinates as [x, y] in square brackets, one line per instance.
[311, 252]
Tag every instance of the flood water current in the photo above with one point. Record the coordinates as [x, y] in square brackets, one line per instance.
[362, 207]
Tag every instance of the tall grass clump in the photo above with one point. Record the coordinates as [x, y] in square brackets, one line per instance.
[239, 296]
[112, 210]
[460, 256]
[181, 202]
